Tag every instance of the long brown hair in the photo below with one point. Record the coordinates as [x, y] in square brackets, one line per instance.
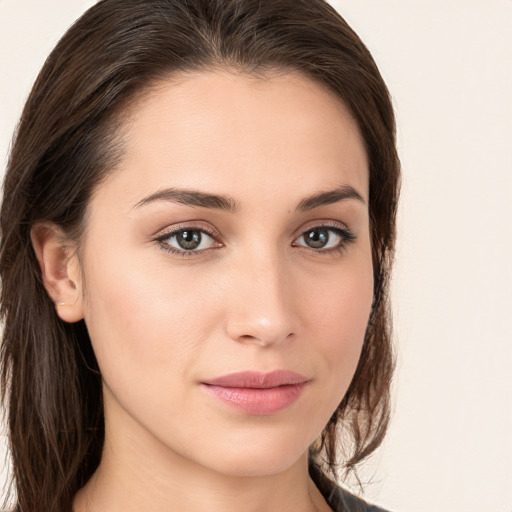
[66, 144]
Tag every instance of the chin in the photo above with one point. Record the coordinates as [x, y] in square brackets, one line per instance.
[258, 455]
[260, 465]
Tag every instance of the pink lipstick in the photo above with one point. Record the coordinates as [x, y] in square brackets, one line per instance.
[258, 393]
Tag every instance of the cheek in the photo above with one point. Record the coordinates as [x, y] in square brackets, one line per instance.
[338, 314]
[345, 313]
[143, 318]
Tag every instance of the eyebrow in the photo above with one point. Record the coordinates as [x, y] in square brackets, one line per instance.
[330, 197]
[192, 198]
[226, 203]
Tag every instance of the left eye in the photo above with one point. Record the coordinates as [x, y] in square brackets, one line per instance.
[188, 240]
[322, 238]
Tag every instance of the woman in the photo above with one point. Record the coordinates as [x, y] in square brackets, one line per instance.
[197, 232]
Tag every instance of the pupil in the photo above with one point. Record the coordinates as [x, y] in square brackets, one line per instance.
[317, 238]
[189, 239]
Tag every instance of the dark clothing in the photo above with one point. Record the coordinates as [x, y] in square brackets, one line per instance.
[342, 501]
[339, 499]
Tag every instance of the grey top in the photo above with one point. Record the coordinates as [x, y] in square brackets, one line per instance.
[339, 499]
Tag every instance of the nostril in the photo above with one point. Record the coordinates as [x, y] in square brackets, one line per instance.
[264, 339]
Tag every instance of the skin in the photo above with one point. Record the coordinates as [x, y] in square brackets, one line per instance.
[254, 296]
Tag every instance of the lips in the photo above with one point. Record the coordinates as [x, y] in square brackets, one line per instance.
[257, 393]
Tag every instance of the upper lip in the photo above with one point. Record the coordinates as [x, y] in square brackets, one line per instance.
[257, 380]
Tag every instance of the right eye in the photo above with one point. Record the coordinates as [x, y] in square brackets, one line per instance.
[187, 240]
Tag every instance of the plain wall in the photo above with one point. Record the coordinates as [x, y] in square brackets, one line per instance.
[448, 66]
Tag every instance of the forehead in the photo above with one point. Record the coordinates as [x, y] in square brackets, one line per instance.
[229, 132]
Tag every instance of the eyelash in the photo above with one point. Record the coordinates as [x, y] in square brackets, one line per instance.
[347, 237]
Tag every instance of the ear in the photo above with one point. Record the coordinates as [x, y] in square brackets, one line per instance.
[60, 270]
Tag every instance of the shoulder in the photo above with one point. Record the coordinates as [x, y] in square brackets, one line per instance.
[339, 499]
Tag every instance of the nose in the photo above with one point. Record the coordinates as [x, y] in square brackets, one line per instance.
[261, 311]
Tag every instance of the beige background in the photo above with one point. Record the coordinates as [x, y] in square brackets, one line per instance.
[448, 64]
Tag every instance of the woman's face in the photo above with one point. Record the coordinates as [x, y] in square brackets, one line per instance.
[233, 237]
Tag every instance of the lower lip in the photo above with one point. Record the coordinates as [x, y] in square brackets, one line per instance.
[258, 401]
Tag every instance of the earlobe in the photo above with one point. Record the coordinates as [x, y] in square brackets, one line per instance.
[59, 270]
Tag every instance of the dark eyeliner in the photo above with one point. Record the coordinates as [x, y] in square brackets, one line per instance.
[346, 235]
[161, 240]
[347, 238]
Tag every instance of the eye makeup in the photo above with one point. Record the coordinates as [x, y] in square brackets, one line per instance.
[190, 240]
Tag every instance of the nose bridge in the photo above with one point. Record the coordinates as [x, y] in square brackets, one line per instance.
[262, 306]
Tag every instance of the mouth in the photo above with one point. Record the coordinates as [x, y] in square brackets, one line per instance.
[257, 393]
